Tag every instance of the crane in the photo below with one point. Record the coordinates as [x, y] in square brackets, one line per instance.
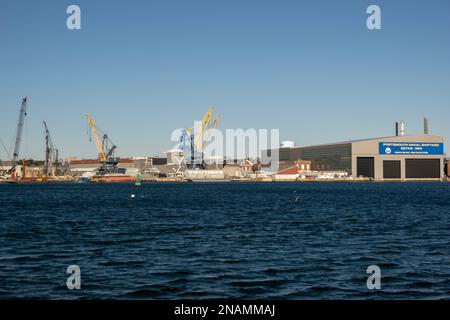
[51, 153]
[109, 152]
[216, 119]
[184, 138]
[213, 125]
[22, 114]
[105, 153]
[195, 138]
[98, 143]
[199, 135]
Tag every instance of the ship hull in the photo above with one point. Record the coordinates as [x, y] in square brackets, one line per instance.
[113, 178]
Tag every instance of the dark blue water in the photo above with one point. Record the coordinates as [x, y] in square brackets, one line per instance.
[229, 240]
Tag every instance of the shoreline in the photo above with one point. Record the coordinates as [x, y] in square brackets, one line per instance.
[221, 181]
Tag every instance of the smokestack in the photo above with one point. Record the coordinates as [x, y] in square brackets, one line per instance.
[425, 126]
[402, 128]
[396, 129]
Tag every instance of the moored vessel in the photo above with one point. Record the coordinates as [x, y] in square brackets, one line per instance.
[113, 177]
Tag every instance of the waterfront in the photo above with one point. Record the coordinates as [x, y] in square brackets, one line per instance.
[232, 240]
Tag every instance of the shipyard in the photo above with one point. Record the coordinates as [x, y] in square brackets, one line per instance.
[399, 157]
[208, 158]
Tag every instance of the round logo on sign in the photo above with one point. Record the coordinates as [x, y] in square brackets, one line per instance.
[388, 150]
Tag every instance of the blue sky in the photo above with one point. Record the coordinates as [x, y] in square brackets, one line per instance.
[144, 68]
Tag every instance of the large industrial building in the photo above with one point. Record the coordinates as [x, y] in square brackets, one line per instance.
[399, 157]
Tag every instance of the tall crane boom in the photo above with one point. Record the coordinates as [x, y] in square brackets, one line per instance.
[98, 142]
[213, 125]
[23, 113]
[51, 153]
[47, 148]
[199, 135]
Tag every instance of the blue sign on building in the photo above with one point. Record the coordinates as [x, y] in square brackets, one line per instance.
[411, 148]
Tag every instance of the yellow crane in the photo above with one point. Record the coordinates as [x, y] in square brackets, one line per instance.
[98, 143]
[195, 137]
[199, 135]
[213, 125]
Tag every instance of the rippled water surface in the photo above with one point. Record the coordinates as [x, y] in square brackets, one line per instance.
[225, 240]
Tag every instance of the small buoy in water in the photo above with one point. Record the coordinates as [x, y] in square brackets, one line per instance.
[132, 195]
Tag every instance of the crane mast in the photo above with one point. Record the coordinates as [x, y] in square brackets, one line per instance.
[51, 153]
[23, 113]
[47, 149]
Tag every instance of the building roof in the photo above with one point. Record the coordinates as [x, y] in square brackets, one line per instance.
[362, 140]
[288, 171]
[84, 161]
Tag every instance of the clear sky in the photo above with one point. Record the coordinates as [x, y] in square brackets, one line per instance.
[143, 68]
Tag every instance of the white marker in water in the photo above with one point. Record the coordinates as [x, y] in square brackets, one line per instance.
[132, 195]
